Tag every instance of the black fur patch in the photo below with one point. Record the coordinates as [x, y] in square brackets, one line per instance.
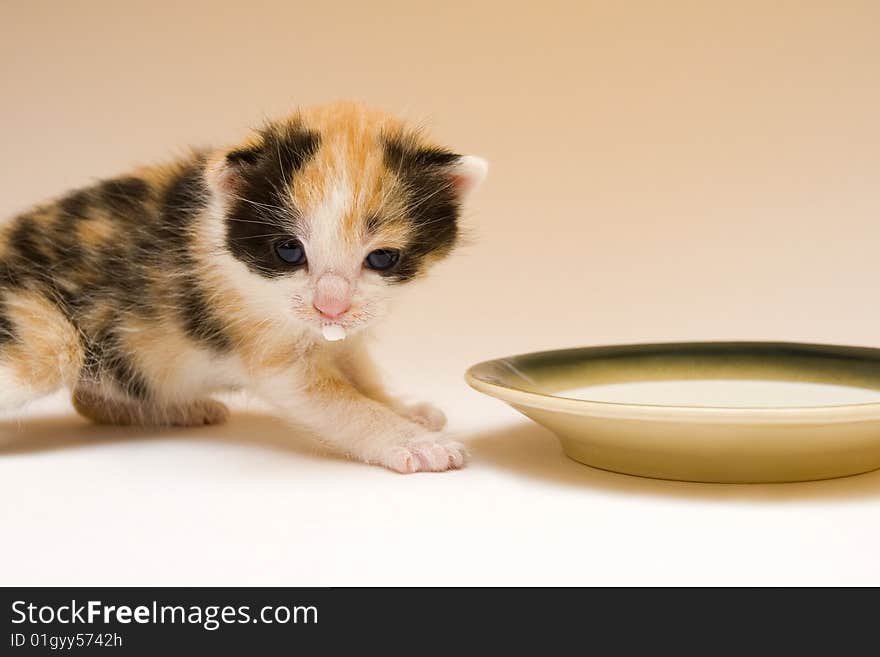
[405, 156]
[105, 356]
[73, 208]
[7, 330]
[127, 378]
[25, 244]
[262, 216]
[126, 266]
[75, 205]
[432, 204]
[125, 196]
[199, 320]
[185, 198]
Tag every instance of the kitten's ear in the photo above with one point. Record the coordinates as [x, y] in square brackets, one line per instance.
[467, 174]
[245, 156]
[228, 170]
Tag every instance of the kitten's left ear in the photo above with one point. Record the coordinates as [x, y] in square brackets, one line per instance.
[467, 174]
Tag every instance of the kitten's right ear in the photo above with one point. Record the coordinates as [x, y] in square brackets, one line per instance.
[468, 173]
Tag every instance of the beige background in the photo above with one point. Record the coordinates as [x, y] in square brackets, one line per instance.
[660, 171]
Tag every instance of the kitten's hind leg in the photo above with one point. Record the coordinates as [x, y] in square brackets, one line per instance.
[103, 409]
[40, 350]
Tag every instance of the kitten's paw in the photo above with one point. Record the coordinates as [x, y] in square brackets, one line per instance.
[200, 413]
[425, 455]
[425, 414]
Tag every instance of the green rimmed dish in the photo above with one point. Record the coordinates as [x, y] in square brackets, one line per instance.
[726, 412]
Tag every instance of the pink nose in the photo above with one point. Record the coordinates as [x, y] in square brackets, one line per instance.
[332, 308]
[332, 296]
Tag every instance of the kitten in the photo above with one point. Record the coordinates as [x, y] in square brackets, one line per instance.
[240, 268]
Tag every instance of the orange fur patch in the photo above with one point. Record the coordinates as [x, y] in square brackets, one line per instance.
[94, 232]
[351, 156]
[47, 352]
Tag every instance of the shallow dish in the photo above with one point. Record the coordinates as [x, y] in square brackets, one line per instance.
[730, 412]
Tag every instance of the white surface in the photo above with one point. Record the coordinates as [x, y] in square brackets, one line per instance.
[254, 503]
[732, 393]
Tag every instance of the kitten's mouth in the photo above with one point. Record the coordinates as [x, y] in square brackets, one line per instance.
[337, 328]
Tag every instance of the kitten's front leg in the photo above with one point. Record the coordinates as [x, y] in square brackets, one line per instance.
[359, 426]
[359, 368]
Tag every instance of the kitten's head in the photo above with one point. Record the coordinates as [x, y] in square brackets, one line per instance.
[332, 209]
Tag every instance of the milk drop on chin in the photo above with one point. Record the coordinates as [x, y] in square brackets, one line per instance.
[333, 332]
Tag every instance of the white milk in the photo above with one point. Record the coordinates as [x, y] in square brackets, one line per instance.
[725, 392]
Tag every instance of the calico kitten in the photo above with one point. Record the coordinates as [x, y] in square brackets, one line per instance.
[240, 268]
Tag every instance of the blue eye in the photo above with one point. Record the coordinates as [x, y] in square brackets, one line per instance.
[291, 252]
[382, 259]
